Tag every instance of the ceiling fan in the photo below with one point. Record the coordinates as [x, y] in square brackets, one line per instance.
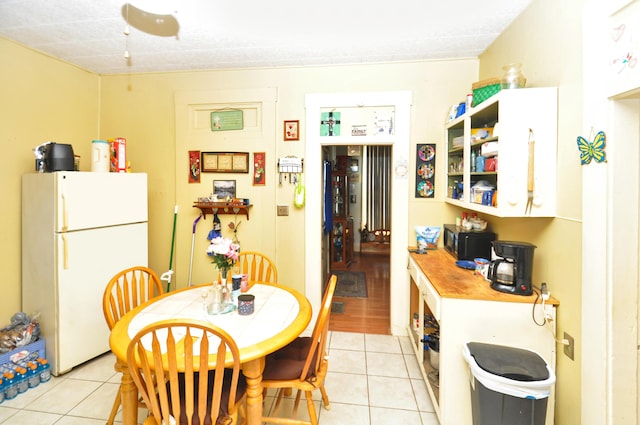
[163, 25]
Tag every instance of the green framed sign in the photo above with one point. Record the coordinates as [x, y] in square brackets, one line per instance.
[227, 120]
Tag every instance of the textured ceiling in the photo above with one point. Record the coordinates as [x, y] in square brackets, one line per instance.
[215, 34]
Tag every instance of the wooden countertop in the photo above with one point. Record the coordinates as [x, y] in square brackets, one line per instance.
[452, 281]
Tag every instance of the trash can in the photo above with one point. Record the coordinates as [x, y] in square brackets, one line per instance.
[509, 386]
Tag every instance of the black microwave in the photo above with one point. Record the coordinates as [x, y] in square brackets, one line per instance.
[467, 244]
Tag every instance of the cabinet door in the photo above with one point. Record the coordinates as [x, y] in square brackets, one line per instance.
[338, 258]
[340, 195]
[342, 244]
[348, 237]
[86, 262]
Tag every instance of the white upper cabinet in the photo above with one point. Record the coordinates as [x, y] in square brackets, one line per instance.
[514, 133]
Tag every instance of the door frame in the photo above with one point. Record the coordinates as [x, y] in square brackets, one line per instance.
[400, 142]
[610, 227]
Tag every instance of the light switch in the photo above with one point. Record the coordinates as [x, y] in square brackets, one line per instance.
[283, 210]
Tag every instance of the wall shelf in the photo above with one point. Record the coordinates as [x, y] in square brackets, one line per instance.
[222, 208]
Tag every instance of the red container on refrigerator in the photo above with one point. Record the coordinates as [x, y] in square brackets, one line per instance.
[118, 155]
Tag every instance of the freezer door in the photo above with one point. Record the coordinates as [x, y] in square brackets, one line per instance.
[86, 262]
[90, 200]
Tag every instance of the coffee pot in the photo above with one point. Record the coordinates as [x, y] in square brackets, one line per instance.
[512, 269]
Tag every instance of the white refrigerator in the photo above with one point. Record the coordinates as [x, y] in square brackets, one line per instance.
[78, 230]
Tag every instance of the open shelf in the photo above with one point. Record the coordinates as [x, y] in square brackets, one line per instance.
[222, 208]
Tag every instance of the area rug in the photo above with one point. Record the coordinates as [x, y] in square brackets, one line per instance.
[350, 284]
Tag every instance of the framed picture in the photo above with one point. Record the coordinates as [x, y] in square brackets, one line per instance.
[291, 130]
[224, 189]
[259, 177]
[194, 166]
[230, 119]
[425, 170]
[225, 162]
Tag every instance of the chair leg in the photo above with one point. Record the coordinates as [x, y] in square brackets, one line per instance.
[296, 403]
[242, 413]
[276, 406]
[325, 398]
[114, 409]
[312, 410]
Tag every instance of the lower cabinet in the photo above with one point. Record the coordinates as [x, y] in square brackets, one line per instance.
[462, 320]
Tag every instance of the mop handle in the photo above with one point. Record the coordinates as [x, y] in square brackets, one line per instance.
[196, 222]
[173, 239]
[193, 235]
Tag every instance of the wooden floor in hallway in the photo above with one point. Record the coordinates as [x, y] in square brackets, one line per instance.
[372, 314]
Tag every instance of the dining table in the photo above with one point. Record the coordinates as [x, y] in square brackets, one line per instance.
[280, 315]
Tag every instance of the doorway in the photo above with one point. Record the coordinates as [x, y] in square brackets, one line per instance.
[357, 243]
[400, 101]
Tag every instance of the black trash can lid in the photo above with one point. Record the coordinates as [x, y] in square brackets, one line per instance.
[509, 362]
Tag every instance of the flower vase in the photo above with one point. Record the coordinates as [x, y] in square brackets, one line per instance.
[224, 288]
[222, 276]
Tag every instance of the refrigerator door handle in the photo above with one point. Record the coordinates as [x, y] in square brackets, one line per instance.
[65, 252]
[65, 221]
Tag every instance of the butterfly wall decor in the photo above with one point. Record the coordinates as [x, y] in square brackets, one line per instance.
[592, 150]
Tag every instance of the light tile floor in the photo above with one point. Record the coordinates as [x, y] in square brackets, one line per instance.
[372, 379]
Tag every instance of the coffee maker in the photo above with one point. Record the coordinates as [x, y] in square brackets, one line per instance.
[511, 272]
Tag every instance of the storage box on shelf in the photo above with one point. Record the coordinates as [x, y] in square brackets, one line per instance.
[497, 132]
[483, 90]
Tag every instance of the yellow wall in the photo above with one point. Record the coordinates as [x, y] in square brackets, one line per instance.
[43, 99]
[547, 40]
[141, 108]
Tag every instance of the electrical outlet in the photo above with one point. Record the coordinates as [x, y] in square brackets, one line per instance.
[283, 209]
[569, 348]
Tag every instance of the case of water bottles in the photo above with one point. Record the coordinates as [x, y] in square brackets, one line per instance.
[23, 368]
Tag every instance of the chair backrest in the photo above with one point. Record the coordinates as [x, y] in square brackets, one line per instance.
[178, 350]
[258, 267]
[128, 289]
[318, 348]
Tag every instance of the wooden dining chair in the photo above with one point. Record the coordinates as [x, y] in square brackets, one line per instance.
[302, 365]
[257, 266]
[125, 291]
[192, 392]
